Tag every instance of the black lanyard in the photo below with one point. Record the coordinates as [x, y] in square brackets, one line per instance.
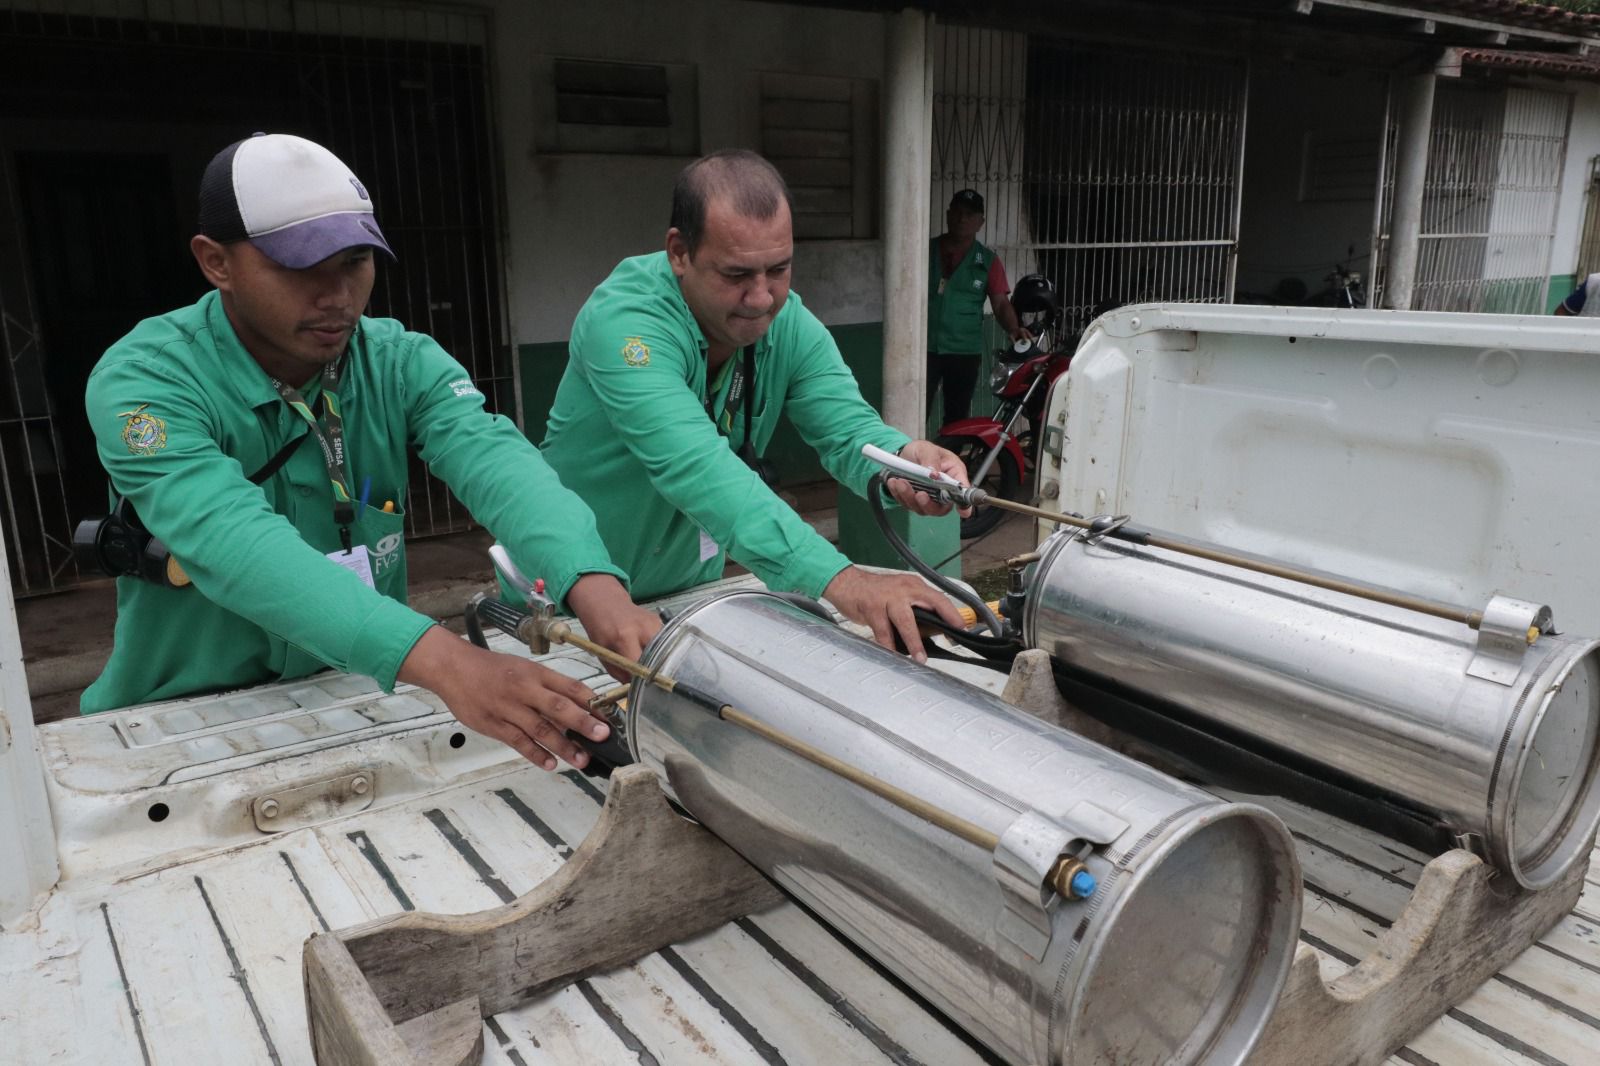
[741, 387]
[331, 439]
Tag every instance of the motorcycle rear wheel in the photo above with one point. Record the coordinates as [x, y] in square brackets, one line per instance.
[1003, 480]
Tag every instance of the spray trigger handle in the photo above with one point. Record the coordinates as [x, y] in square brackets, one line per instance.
[935, 482]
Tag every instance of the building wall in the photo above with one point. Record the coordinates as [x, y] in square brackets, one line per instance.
[596, 209]
[1282, 233]
[571, 217]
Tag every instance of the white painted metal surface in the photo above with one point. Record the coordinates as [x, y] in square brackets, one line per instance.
[1446, 455]
[27, 846]
[179, 941]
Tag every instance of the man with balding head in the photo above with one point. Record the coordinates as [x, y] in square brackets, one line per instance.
[681, 363]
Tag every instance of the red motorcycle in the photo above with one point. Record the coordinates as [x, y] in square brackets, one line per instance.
[999, 455]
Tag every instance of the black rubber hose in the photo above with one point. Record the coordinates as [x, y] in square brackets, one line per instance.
[1000, 651]
[971, 599]
[936, 652]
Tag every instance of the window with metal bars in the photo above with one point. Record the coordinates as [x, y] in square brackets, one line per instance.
[1113, 171]
[1489, 203]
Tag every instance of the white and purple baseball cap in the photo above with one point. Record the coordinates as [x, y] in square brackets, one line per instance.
[291, 198]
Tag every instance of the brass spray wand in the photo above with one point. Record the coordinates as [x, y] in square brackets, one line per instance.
[540, 628]
[940, 484]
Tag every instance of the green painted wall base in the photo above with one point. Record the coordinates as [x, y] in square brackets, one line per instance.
[933, 539]
[1561, 286]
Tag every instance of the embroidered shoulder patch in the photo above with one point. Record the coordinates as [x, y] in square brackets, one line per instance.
[144, 434]
[635, 352]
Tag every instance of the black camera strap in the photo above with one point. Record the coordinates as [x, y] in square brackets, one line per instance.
[329, 431]
[741, 391]
[276, 462]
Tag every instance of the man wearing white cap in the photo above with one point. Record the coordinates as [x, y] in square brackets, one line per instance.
[240, 428]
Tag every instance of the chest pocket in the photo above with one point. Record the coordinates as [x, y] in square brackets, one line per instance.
[383, 532]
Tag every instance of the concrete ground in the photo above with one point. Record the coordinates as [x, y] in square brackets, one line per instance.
[66, 637]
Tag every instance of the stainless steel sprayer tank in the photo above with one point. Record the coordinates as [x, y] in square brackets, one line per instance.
[1493, 732]
[1176, 956]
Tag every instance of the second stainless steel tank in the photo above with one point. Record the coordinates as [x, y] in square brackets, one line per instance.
[1491, 735]
[1178, 955]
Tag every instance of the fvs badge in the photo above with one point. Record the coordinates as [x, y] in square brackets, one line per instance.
[386, 552]
[143, 434]
[635, 352]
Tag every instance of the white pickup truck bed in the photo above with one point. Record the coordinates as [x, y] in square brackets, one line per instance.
[193, 955]
[1450, 455]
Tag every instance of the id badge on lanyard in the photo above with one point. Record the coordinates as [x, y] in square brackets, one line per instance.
[331, 439]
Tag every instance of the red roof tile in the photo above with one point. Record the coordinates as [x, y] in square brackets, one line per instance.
[1554, 64]
[1542, 16]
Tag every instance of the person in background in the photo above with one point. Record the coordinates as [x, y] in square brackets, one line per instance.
[962, 274]
[1583, 300]
[262, 434]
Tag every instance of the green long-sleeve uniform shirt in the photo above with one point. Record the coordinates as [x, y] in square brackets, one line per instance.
[183, 416]
[629, 432]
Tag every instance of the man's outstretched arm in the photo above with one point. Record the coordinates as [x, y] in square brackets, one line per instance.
[523, 705]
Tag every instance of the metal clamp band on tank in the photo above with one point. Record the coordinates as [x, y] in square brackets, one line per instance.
[1492, 737]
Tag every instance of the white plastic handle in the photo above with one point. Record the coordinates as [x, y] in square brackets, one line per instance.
[906, 467]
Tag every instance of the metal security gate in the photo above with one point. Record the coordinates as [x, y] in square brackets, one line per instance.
[1495, 158]
[1589, 241]
[1383, 201]
[108, 112]
[1115, 172]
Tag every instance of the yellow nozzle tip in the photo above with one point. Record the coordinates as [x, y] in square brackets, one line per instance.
[175, 574]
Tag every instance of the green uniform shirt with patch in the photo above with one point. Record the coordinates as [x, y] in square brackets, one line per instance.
[630, 434]
[955, 304]
[183, 416]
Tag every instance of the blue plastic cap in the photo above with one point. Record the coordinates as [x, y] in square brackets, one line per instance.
[1083, 884]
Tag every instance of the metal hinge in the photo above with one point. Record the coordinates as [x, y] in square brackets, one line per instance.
[1055, 439]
